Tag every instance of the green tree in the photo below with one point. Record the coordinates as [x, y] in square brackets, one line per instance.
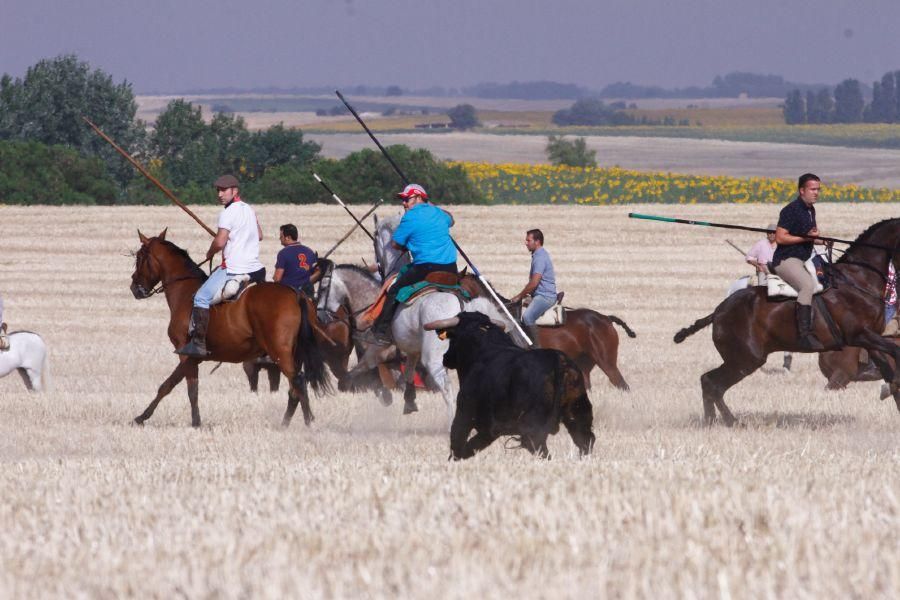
[366, 176]
[463, 116]
[35, 173]
[794, 109]
[593, 112]
[848, 102]
[47, 106]
[561, 151]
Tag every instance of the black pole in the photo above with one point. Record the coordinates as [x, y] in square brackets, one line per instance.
[746, 228]
[341, 202]
[374, 139]
[469, 262]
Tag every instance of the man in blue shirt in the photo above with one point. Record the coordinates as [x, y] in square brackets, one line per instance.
[295, 265]
[425, 231]
[541, 283]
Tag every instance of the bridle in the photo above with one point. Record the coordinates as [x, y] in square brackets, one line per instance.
[162, 285]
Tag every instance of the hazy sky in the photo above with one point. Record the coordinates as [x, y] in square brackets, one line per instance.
[175, 45]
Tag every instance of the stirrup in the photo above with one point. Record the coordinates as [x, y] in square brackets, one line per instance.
[193, 350]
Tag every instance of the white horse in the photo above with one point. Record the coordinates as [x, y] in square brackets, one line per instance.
[28, 354]
[357, 289]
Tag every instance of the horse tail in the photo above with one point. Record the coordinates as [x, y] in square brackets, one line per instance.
[623, 325]
[697, 326]
[308, 360]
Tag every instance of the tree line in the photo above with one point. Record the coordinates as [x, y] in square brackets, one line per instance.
[846, 103]
[48, 154]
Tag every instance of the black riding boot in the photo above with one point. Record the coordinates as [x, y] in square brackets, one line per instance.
[532, 331]
[381, 329]
[807, 338]
[196, 347]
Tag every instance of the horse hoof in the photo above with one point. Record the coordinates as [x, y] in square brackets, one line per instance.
[138, 421]
[409, 408]
[885, 392]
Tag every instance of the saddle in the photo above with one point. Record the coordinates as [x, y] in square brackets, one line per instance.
[408, 295]
[779, 288]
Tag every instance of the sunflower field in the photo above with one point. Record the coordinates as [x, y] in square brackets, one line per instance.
[548, 184]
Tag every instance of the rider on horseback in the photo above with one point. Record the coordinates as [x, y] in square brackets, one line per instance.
[541, 284]
[795, 235]
[4, 339]
[425, 231]
[238, 238]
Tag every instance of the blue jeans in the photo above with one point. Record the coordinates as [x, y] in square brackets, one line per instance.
[210, 288]
[538, 306]
[889, 311]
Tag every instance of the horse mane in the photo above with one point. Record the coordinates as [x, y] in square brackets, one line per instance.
[389, 223]
[188, 261]
[359, 270]
[865, 235]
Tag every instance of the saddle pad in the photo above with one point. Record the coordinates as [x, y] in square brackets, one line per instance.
[779, 288]
[552, 317]
[234, 287]
[408, 294]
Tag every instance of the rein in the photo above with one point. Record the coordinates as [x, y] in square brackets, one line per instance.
[162, 285]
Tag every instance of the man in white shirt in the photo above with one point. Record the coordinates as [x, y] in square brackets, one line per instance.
[761, 254]
[238, 238]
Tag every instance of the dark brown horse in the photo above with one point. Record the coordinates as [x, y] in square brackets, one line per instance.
[748, 326]
[266, 319]
[587, 337]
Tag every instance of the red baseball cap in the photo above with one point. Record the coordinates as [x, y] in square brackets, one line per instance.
[413, 189]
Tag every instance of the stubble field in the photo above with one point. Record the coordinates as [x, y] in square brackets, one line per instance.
[804, 501]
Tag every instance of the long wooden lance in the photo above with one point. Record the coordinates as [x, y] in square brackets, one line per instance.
[746, 228]
[344, 206]
[462, 253]
[152, 179]
[733, 245]
[352, 229]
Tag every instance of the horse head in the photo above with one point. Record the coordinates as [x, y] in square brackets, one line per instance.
[146, 270]
[390, 259]
[159, 261]
[876, 246]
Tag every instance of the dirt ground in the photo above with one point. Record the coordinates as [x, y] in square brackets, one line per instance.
[802, 501]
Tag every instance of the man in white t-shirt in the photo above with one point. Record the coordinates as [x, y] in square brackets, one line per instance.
[238, 238]
[761, 254]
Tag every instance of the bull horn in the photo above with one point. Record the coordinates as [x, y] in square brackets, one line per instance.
[442, 324]
[499, 324]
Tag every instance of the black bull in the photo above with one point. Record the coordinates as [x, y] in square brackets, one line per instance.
[506, 390]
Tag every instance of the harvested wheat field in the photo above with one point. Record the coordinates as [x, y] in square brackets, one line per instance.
[803, 501]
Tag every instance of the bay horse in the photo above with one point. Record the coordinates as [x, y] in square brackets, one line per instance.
[842, 367]
[27, 354]
[587, 337]
[268, 318]
[748, 326]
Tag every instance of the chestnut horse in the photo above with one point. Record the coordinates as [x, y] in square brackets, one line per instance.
[266, 319]
[748, 326]
[587, 337]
